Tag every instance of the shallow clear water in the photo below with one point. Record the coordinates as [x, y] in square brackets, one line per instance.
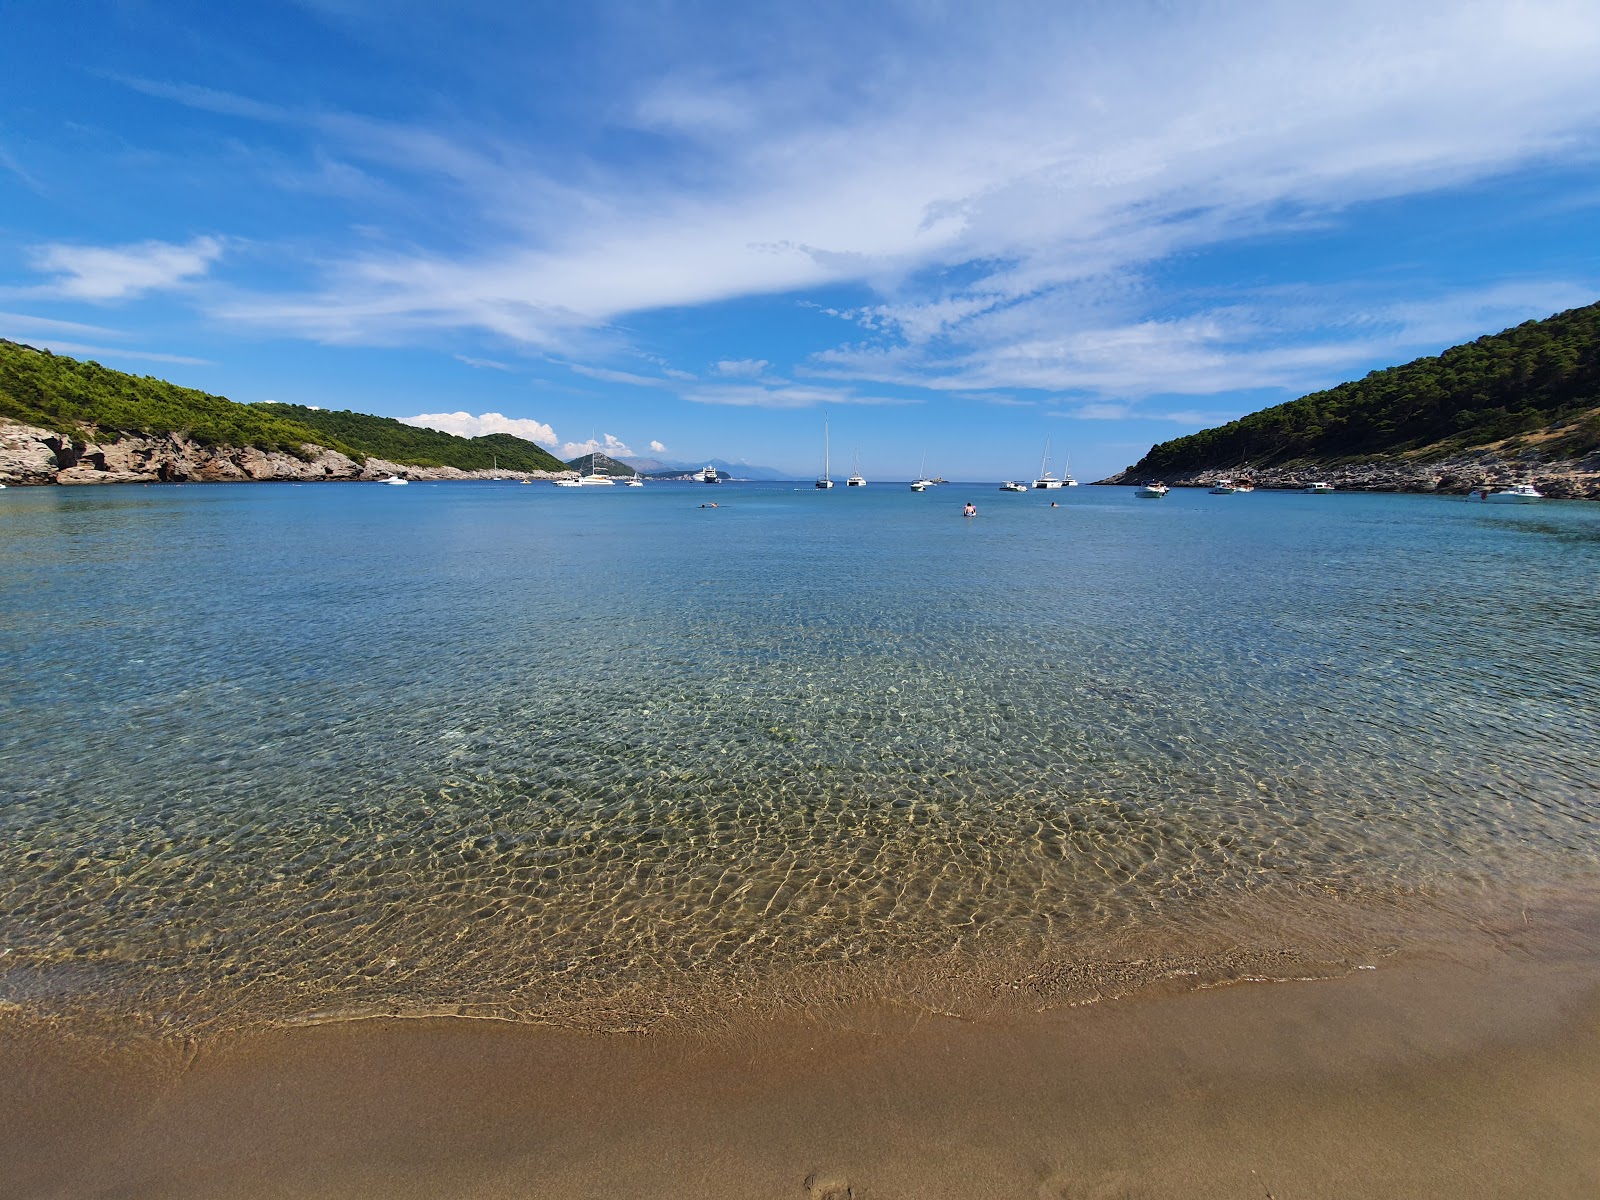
[273, 752]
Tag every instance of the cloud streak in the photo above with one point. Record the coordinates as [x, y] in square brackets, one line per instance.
[106, 273]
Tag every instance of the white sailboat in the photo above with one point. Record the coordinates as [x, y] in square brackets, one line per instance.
[857, 479]
[1046, 479]
[826, 479]
[922, 483]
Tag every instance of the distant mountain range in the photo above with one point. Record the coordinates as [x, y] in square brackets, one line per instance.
[658, 469]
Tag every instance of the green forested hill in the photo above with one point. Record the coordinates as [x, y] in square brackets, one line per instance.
[1529, 378]
[384, 437]
[63, 394]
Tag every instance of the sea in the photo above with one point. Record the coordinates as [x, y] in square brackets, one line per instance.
[612, 757]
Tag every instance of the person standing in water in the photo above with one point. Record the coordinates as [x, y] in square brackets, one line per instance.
[969, 510]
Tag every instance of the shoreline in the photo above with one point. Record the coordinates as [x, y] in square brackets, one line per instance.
[1455, 1076]
[1493, 467]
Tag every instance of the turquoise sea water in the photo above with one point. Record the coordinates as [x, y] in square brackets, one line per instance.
[278, 752]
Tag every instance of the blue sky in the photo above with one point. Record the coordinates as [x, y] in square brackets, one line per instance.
[691, 229]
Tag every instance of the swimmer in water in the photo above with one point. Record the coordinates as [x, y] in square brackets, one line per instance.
[969, 510]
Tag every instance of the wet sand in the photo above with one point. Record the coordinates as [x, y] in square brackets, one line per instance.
[1472, 1075]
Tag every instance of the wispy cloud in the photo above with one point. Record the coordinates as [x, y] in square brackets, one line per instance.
[999, 171]
[25, 325]
[747, 368]
[101, 273]
[607, 375]
[81, 349]
[484, 364]
[786, 395]
[464, 424]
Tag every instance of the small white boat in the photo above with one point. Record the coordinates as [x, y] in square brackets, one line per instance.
[1224, 487]
[1046, 479]
[709, 475]
[1523, 493]
[633, 481]
[857, 479]
[825, 480]
[1153, 491]
[1319, 488]
[1011, 485]
[395, 480]
[567, 482]
[922, 483]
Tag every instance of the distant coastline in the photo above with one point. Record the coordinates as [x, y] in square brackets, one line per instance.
[1457, 474]
[30, 455]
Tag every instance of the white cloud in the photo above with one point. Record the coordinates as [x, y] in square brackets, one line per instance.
[607, 444]
[782, 396]
[484, 364]
[657, 448]
[464, 424]
[1002, 177]
[742, 367]
[81, 350]
[24, 325]
[610, 376]
[121, 272]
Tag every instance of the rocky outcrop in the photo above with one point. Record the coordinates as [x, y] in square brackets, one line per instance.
[1489, 466]
[31, 455]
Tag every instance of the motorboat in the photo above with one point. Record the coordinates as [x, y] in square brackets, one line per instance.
[1224, 487]
[1523, 493]
[1011, 485]
[633, 481]
[395, 480]
[709, 475]
[574, 482]
[1320, 488]
[1152, 491]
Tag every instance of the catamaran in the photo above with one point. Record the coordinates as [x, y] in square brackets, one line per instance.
[1047, 480]
[857, 479]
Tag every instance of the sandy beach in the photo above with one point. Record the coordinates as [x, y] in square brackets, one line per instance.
[1459, 1075]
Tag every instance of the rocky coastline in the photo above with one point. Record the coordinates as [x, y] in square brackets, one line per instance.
[36, 456]
[1457, 474]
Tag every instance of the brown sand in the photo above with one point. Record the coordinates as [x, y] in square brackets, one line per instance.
[1423, 1079]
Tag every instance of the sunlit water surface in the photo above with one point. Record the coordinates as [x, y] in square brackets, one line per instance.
[279, 752]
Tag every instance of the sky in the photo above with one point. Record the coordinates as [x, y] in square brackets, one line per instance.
[957, 232]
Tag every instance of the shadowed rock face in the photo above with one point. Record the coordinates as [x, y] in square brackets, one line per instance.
[31, 455]
[1557, 478]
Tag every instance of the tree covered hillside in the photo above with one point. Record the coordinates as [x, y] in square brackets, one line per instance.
[1533, 376]
[72, 397]
[387, 438]
[68, 396]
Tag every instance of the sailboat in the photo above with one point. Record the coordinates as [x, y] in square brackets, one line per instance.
[1047, 480]
[922, 483]
[826, 480]
[857, 479]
